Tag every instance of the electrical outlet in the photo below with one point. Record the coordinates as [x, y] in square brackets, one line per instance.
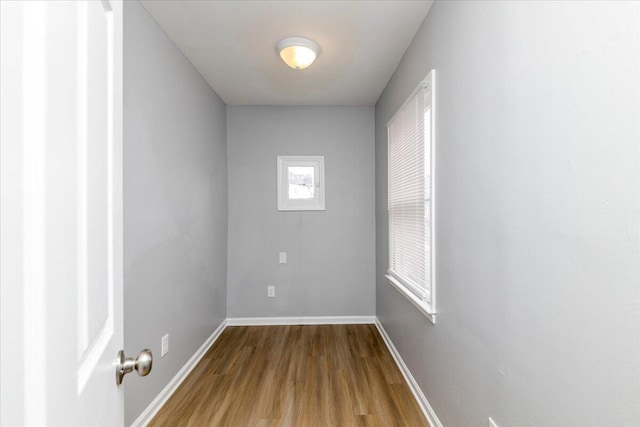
[491, 423]
[271, 291]
[165, 345]
[283, 257]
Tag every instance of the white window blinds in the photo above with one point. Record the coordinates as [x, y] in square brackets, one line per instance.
[410, 194]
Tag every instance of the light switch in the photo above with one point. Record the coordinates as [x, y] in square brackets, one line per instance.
[165, 344]
[283, 257]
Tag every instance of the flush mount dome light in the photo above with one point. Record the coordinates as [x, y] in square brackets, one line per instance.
[297, 53]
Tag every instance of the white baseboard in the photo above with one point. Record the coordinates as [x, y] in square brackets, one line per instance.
[157, 403]
[320, 320]
[428, 411]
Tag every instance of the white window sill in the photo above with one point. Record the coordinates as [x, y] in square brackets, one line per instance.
[420, 305]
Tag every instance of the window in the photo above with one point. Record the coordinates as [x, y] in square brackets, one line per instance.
[300, 183]
[411, 196]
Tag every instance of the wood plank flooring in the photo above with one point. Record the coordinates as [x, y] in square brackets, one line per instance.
[295, 376]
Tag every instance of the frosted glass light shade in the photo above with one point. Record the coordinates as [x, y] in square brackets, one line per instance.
[297, 53]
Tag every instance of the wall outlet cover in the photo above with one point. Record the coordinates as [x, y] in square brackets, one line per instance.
[283, 258]
[271, 291]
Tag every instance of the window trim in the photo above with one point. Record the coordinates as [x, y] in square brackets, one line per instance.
[428, 309]
[287, 204]
[420, 305]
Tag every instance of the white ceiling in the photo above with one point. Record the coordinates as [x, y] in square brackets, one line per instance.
[232, 44]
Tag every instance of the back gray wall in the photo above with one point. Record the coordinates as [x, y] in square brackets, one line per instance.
[175, 206]
[538, 267]
[330, 268]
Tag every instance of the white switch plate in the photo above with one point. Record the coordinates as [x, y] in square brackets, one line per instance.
[271, 291]
[283, 257]
[165, 345]
[491, 423]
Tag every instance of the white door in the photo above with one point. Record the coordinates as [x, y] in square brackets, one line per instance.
[61, 218]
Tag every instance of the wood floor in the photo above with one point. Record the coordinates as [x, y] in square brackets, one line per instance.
[297, 376]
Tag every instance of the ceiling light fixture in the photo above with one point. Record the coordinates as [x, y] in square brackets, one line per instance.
[297, 53]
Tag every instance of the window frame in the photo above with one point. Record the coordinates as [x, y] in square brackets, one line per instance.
[428, 308]
[287, 204]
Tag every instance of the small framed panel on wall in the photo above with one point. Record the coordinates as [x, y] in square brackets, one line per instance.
[301, 183]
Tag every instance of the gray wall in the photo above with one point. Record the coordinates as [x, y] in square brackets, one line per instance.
[330, 268]
[539, 201]
[175, 205]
